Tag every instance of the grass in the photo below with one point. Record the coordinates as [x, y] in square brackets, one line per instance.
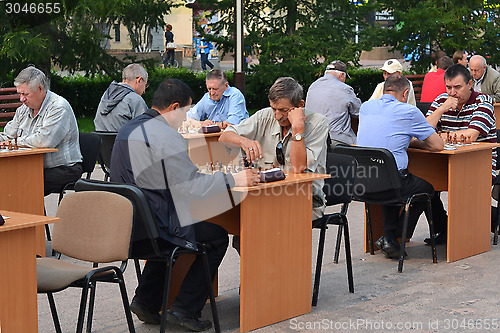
[85, 125]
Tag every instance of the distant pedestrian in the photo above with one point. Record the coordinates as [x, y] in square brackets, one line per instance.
[205, 47]
[169, 39]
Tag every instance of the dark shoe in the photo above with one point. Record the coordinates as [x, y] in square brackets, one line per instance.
[389, 247]
[144, 314]
[194, 324]
[441, 238]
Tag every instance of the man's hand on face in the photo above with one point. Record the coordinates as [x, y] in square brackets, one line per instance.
[451, 103]
[297, 117]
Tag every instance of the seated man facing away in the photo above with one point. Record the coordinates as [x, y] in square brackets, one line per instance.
[222, 105]
[151, 154]
[461, 111]
[433, 85]
[461, 57]
[331, 97]
[46, 120]
[391, 123]
[122, 101]
[285, 135]
[392, 66]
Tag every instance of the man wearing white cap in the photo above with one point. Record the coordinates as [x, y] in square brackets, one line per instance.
[331, 97]
[392, 66]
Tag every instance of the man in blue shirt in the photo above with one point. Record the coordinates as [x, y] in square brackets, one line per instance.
[393, 124]
[222, 105]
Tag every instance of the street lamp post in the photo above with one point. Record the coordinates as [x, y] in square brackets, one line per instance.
[239, 58]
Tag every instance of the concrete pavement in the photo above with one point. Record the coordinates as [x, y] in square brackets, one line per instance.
[426, 297]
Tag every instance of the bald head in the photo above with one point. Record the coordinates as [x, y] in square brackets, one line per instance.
[477, 65]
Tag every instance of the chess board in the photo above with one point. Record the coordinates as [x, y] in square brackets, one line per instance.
[6, 150]
[455, 146]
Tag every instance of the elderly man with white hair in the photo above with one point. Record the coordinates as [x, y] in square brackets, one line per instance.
[46, 120]
[332, 97]
[486, 79]
[392, 66]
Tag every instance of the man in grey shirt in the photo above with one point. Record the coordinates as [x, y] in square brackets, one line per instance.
[330, 96]
[122, 101]
[46, 120]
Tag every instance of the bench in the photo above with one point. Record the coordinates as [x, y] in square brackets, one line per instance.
[417, 80]
[9, 102]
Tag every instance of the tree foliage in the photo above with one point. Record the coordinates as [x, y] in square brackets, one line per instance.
[73, 38]
[294, 37]
[421, 27]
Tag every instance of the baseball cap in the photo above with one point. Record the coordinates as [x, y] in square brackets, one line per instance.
[392, 66]
[339, 66]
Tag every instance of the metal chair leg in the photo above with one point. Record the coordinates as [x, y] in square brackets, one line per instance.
[213, 305]
[348, 258]
[126, 306]
[90, 315]
[430, 221]
[166, 292]
[369, 228]
[83, 305]
[337, 245]
[495, 235]
[53, 310]
[403, 238]
[137, 269]
[319, 262]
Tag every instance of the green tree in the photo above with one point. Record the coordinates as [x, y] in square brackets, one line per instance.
[295, 37]
[421, 27]
[71, 37]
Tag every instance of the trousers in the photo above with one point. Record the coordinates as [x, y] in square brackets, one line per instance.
[393, 218]
[194, 292]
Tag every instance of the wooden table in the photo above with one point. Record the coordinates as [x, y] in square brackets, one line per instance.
[18, 295]
[21, 179]
[274, 222]
[205, 148]
[466, 174]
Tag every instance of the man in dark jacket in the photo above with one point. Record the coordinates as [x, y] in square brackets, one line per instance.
[150, 153]
[122, 101]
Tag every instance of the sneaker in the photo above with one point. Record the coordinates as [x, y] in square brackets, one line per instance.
[194, 324]
[144, 314]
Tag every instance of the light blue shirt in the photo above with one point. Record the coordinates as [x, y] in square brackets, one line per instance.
[388, 123]
[231, 108]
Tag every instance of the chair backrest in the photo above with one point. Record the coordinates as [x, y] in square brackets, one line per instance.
[339, 188]
[145, 227]
[94, 226]
[90, 145]
[423, 107]
[377, 176]
[108, 141]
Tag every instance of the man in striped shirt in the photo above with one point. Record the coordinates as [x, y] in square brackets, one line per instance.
[462, 111]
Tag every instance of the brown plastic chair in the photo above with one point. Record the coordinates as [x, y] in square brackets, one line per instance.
[95, 227]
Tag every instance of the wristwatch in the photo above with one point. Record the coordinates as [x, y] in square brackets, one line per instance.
[297, 137]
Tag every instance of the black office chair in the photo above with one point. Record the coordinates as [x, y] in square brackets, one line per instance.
[378, 183]
[104, 158]
[90, 145]
[423, 107]
[338, 190]
[145, 229]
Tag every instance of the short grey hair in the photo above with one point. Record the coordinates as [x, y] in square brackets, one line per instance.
[288, 88]
[217, 74]
[33, 77]
[133, 71]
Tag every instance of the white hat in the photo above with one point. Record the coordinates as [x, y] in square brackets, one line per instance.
[392, 66]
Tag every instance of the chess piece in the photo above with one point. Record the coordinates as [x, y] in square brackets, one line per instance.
[448, 136]
[16, 147]
[468, 140]
[462, 138]
[455, 141]
[10, 147]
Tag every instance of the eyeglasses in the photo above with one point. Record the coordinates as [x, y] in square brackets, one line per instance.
[283, 110]
[280, 156]
[145, 82]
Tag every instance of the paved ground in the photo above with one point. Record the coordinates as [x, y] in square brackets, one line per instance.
[460, 296]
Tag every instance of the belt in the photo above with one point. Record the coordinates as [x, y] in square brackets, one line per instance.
[403, 173]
